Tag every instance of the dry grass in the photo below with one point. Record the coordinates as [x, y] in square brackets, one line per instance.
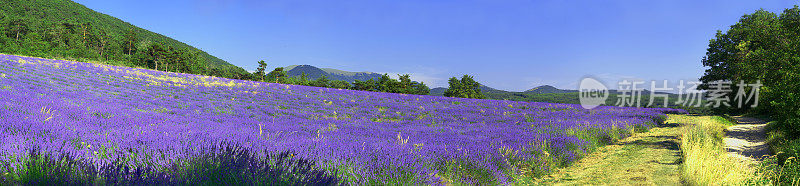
[706, 162]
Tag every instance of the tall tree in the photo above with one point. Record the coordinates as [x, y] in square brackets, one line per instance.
[17, 27]
[421, 89]
[260, 74]
[156, 54]
[303, 80]
[360, 85]
[277, 75]
[387, 84]
[86, 28]
[322, 81]
[453, 89]
[405, 84]
[101, 42]
[129, 40]
[340, 84]
[760, 47]
[198, 65]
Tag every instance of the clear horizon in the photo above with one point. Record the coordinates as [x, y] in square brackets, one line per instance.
[514, 45]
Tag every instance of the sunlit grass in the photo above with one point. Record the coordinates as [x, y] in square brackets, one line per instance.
[782, 168]
[705, 160]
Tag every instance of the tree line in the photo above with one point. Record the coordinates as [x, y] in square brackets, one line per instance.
[84, 41]
[67, 30]
[384, 84]
[761, 47]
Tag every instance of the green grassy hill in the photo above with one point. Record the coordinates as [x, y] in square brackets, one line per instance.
[68, 30]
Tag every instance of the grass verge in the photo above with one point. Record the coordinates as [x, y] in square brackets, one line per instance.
[706, 162]
[649, 157]
[783, 168]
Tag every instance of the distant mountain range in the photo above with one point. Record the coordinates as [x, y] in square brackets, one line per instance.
[333, 74]
[544, 89]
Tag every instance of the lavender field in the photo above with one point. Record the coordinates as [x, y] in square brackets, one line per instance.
[86, 123]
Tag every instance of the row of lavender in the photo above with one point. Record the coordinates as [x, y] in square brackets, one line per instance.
[102, 114]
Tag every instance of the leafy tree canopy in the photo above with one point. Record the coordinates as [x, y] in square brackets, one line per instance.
[762, 47]
[467, 87]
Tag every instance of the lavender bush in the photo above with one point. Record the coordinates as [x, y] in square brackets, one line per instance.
[116, 124]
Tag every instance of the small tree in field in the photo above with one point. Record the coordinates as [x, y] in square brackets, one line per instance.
[464, 88]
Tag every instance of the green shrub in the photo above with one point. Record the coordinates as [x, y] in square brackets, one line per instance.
[782, 168]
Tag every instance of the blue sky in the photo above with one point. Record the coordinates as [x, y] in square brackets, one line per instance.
[510, 45]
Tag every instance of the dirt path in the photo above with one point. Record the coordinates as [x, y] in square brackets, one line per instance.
[650, 158]
[746, 140]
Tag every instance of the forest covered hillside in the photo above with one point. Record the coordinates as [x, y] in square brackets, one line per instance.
[68, 30]
[334, 74]
[544, 89]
